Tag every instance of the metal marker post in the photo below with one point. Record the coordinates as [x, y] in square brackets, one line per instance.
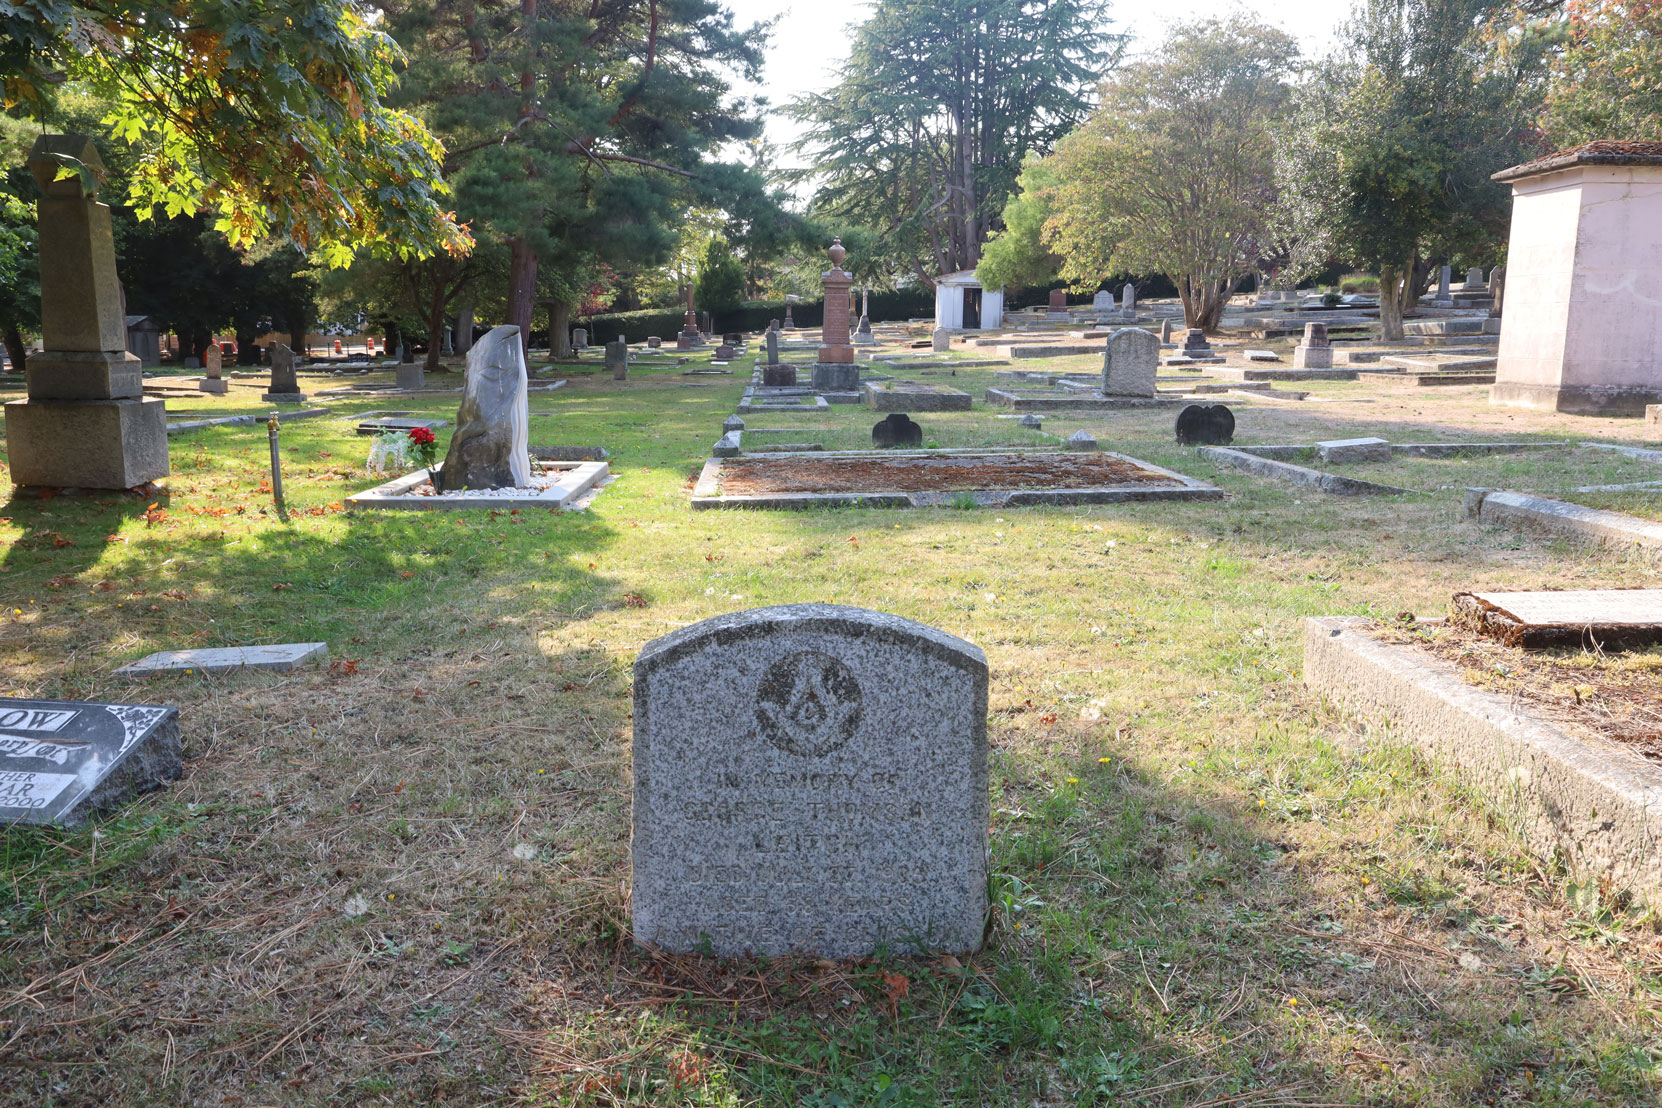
[276, 469]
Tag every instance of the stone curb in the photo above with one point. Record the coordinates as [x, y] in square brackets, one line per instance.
[1594, 804]
[1554, 517]
[1298, 475]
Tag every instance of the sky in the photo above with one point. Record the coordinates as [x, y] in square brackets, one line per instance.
[812, 37]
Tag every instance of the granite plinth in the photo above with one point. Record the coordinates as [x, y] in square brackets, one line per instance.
[902, 396]
[84, 375]
[810, 779]
[215, 386]
[87, 444]
[62, 760]
[836, 377]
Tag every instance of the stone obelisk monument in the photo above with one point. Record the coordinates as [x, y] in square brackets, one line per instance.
[834, 370]
[690, 335]
[86, 423]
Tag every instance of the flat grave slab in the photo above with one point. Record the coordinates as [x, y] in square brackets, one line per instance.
[1354, 450]
[928, 478]
[554, 485]
[61, 760]
[1063, 400]
[907, 396]
[281, 657]
[398, 423]
[1612, 619]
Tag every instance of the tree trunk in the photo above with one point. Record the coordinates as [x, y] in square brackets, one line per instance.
[247, 352]
[522, 288]
[297, 340]
[435, 328]
[1393, 282]
[559, 329]
[199, 341]
[14, 348]
[464, 320]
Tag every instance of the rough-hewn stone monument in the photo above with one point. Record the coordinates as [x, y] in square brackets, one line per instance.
[285, 386]
[1316, 351]
[491, 447]
[617, 358]
[86, 422]
[810, 779]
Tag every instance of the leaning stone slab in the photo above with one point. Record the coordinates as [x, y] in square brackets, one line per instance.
[1354, 450]
[61, 760]
[1593, 803]
[1554, 517]
[810, 779]
[1297, 475]
[281, 657]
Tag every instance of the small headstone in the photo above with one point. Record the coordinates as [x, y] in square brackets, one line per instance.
[1130, 362]
[1128, 298]
[410, 377]
[1031, 421]
[780, 375]
[732, 423]
[1474, 279]
[1262, 356]
[65, 759]
[579, 339]
[1058, 300]
[940, 340]
[279, 657]
[732, 338]
[728, 445]
[684, 340]
[789, 324]
[896, 430]
[1354, 450]
[654, 342]
[1165, 330]
[773, 347]
[725, 353]
[285, 386]
[213, 363]
[773, 325]
[617, 359]
[1080, 440]
[1103, 301]
[1315, 352]
[1206, 425]
[1195, 344]
[1497, 289]
[1444, 276]
[810, 779]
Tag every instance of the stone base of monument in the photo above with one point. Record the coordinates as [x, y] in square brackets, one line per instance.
[88, 444]
[780, 400]
[68, 759]
[83, 375]
[214, 385]
[836, 377]
[1067, 400]
[283, 397]
[1603, 400]
[554, 484]
[907, 396]
[934, 478]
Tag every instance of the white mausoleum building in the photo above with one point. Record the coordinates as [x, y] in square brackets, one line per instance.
[962, 304]
[1582, 330]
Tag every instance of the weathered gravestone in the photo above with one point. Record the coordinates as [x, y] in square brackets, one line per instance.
[1497, 289]
[1058, 306]
[1165, 330]
[773, 347]
[789, 324]
[85, 422]
[654, 343]
[61, 760]
[896, 430]
[1474, 279]
[1130, 362]
[810, 779]
[213, 363]
[1316, 351]
[579, 339]
[779, 375]
[940, 340]
[725, 353]
[617, 359]
[284, 387]
[491, 447]
[1128, 298]
[1206, 425]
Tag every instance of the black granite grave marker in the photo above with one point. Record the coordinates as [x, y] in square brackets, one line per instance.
[897, 430]
[1206, 425]
[62, 759]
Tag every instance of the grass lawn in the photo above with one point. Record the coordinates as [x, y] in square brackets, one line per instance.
[403, 878]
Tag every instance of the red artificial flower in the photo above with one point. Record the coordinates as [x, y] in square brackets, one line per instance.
[421, 436]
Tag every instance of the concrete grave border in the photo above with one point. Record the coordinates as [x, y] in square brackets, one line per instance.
[1595, 804]
[579, 478]
[1023, 401]
[707, 494]
[1523, 512]
[1260, 466]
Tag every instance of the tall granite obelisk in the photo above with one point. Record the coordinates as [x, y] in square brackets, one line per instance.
[86, 423]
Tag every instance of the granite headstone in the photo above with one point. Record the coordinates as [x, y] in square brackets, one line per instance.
[61, 760]
[284, 387]
[810, 779]
[1206, 425]
[1130, 362]
[896, 430]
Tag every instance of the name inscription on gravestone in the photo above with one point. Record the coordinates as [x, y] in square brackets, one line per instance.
[60, 760]
[810, 779]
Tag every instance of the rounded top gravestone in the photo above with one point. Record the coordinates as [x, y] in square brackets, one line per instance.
[896, 430]
[810, 779]
[1206, 425]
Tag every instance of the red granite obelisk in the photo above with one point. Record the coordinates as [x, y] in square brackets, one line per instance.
[690, 335]
[835, 348]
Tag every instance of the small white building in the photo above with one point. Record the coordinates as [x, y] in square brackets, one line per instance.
[1581, 331]
[962, 304]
